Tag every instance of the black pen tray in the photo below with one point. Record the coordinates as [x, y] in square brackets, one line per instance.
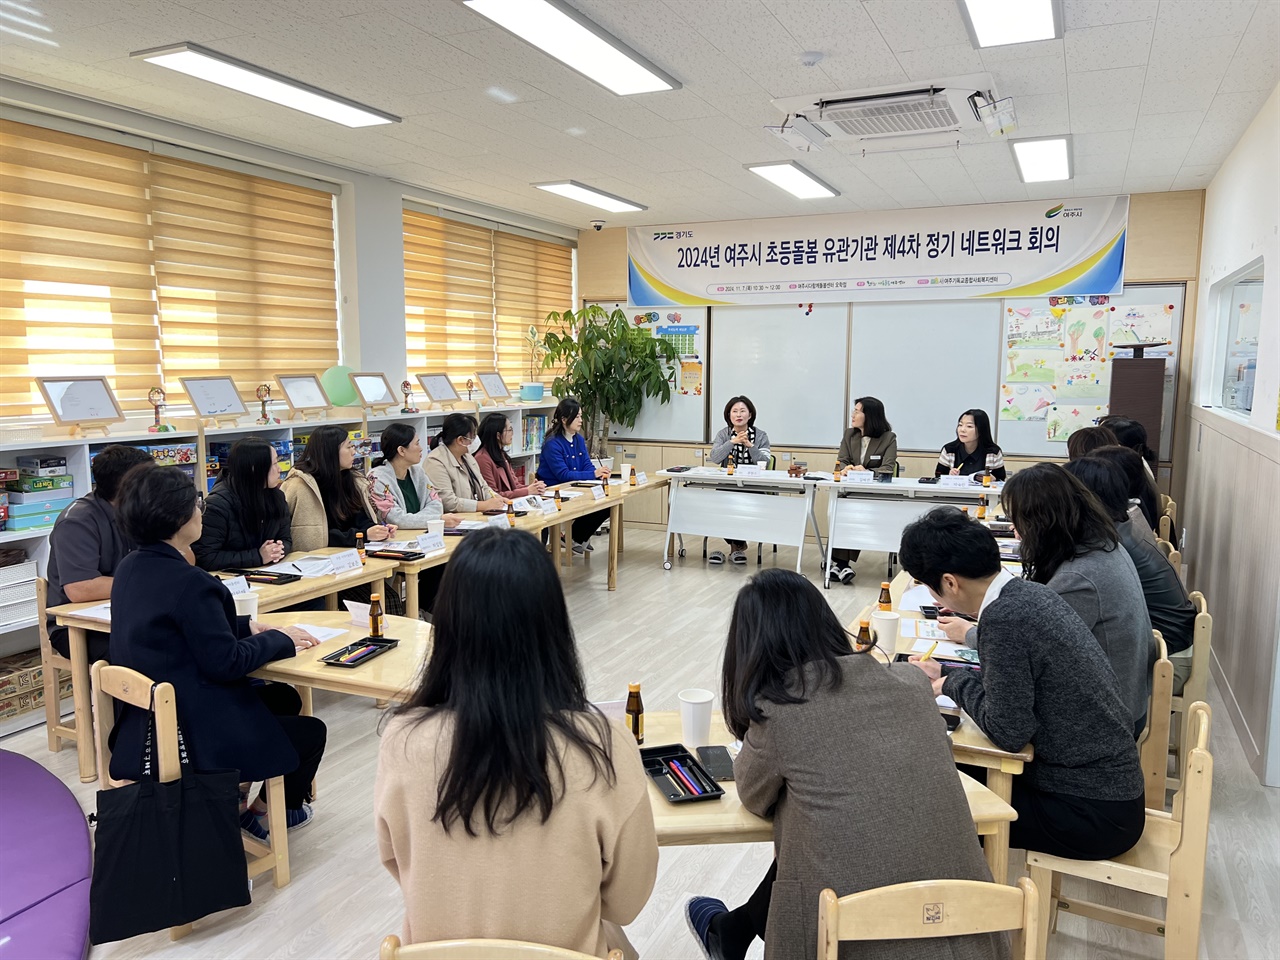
[404, 555]
[654, 760]
[379, 648]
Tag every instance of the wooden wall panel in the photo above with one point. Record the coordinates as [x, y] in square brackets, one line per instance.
[602, 264]
[1164, 236]
[1232, 517]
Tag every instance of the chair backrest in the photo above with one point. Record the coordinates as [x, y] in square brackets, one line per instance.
[480, 950]
[42, 606]
[120, 683]
[1165, 500]
[1172, 555]
[1153, 745]
[1197, 685]
[930, 908]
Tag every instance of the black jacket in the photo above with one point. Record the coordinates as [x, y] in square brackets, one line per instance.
[1170, 609]
[227, 540]
[176, 623]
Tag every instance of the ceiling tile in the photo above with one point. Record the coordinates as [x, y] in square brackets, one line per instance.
[1176, 97]
[1141, 184]
[1256, 64]
[1105, 48]
[1196, 21]
[1094, 186]
[954, 61]
[1030, 77]
[1045, 110]
[919, 25]
[1092, 13]
[1203, 61]
[1156, 126]
[995, 56]
[1150, 158]
[1002, 192]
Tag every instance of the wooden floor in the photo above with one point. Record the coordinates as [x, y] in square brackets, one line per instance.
[665, 630]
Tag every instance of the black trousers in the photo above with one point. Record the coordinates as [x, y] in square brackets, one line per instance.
[734, 931]
[843, 557]
[307, 734]
[96, 642]
[429, 586]
[584, 528]
[1065, 826]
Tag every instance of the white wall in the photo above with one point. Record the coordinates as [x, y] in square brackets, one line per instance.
[1233, 463]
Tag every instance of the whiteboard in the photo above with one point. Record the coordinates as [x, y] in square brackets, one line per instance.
[791, 361]
[683, 417]
[927, 362]
[214, 396]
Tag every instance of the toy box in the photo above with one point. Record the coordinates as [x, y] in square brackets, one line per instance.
[39, 484]
[54, 507]
[37, 522]
[42, 496]
[40, 462]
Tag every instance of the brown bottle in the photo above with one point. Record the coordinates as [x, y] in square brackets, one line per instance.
[511, 514]
[559, 501]
[982, 507]
[731, 466]
[633, 478]
[965, 510]
[986, 478]
[864, 634]
[360, 547]
[886, 602]
[635, 712]
[375, 616]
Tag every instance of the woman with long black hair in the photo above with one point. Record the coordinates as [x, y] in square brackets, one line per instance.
[868, 445]
[974, 449]
[496, 434]
[793, 687]
[329, 502]
[497, 769]
[246, 518]
[564, 459]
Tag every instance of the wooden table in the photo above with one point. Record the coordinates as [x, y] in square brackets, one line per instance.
[969, 745]
[269, 598]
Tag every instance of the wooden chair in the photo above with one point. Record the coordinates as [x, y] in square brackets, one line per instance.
[1197, 685]
[52, 666]
[1172, 555]
[930, 908]
[121, 683]
[1153, 745]
[1167, 862]
[480, 950]
[1168, 517]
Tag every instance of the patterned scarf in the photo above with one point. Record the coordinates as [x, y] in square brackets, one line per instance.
[742, 455]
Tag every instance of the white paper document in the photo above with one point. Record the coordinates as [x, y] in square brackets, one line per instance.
[914, 597]
[101, 612]
[473, 524]
[303, 567]
[359, 612]
[924, 629]
[947, 702]
[323, 633]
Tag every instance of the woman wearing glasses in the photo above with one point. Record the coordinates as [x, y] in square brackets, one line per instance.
[453, 470]
[496, 434]
[177, 624]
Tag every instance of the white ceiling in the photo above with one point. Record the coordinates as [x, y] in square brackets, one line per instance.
[1156, 92]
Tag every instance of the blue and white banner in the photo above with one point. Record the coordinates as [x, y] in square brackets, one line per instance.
[1025, 249]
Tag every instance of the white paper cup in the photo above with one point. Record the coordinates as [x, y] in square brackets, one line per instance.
[435, 526]
[884, 627]
[695, 717]
[246, 604]
[763, 464]
[626, 472]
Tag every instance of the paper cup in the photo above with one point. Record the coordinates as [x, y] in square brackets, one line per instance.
[246, 604]
[763, 464]
[884, 627]
[435, 526]
[626, 472]
[695, 717]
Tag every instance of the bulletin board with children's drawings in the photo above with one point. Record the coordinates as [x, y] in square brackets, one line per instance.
[1057, 355]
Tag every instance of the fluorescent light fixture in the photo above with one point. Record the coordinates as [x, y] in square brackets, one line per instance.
[206, 64]
[995, 23]
[1043, 159]
[573, 190]
[794, 179]
[556, 28]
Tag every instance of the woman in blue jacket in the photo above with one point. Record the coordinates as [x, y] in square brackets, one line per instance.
[565, 458]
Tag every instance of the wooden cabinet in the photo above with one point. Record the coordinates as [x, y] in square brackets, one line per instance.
[650, 508]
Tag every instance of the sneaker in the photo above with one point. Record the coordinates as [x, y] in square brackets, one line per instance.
[715, 557]
[738, 556]
[586, 545]
[698, 914]
[297, 819]
[846, 574]
[254, 825]
[579, 549]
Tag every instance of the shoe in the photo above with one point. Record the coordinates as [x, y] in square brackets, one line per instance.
[586, 545]
[716, 557]
[254, 825]
[738, 556]
[579, 549]
[846, 574]
[698, 914]
[297, 819]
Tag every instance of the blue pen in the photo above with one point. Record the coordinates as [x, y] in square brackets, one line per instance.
[688, 780]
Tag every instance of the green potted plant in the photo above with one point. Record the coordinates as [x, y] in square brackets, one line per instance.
[610, 367]
[532, 390]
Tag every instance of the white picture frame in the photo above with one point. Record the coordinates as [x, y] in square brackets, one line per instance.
[373, 389]
[438, 388]
[76, 400]
[214, 398]
[303, 392]
[494, 387]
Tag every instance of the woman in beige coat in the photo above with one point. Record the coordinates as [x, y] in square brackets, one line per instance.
[850, 758]
[453, 470]
[506, 805]
[329, 502]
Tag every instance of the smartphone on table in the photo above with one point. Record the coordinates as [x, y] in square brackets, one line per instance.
[717, 762]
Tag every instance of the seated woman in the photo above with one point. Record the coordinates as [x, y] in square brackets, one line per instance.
[1144, 498]
[246, 518]
[973, 450]
[454, 471]
[1044, 682]
[1088, 439]
[177, 624]
[565, 459]
[398, 475]
[1132, 434]
[1170, 609]
[1070, 545]
[496, 434]
[741, 442]
[329, 502]
[793, 686]
[868, 444]
[486, 785]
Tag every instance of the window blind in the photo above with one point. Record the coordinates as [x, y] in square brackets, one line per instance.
[532, 278]
[77, 293]
[245, 270]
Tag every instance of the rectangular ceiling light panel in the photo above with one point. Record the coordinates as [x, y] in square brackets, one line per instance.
[206, 64]
[995, 23]
[1043, 160]
[559, 30]
[794, 179]
[573, 190]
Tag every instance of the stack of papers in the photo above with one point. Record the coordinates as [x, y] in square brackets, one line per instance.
[471, 525]
[914, 597]
[101, 612]
[321, 633]
[304, 567]
[924, 629]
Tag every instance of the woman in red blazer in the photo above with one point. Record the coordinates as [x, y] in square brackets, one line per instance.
[495, 466]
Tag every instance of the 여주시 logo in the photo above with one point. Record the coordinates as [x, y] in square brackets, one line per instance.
[1053, 211]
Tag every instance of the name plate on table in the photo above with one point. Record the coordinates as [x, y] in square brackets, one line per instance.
[430, 542]
[597, 493]
[549, 507]
[615, 483]
[749, 470]
[236, 585]
[950, 481]
[858, 476]
[345, 561]
[641, 478]
[500, 521]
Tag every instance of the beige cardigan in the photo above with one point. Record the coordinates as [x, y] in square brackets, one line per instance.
[306, 508]
[563, 882]
[451, 479]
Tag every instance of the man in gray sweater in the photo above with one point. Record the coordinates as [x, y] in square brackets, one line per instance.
[1044, 681]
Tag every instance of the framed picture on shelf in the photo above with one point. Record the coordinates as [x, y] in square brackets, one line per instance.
[80, 400]
[373, 389]
[214, 398]
[438, 388]
[494, 387]
[303, 393]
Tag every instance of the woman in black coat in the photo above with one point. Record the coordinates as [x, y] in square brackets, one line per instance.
[246, 519]
[177, 624]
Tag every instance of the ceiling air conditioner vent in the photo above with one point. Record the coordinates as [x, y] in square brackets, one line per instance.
[914, 111]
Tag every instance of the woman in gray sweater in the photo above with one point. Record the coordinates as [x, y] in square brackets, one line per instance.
[1071, 545]
[741, 442]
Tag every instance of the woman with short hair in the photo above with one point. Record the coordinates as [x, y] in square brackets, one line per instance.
[741, 442]
[1088, 439]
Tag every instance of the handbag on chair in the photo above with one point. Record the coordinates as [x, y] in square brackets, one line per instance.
[166, 854]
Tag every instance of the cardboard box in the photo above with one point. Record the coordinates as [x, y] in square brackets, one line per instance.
[39, 484]
[54, 507]
[42, 471]
[37, 522]
[30, 701]
[20, 672]
[59, 497]
[8, 473]
[40, 462]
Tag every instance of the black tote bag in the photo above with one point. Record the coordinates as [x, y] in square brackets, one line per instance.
[166, 854]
